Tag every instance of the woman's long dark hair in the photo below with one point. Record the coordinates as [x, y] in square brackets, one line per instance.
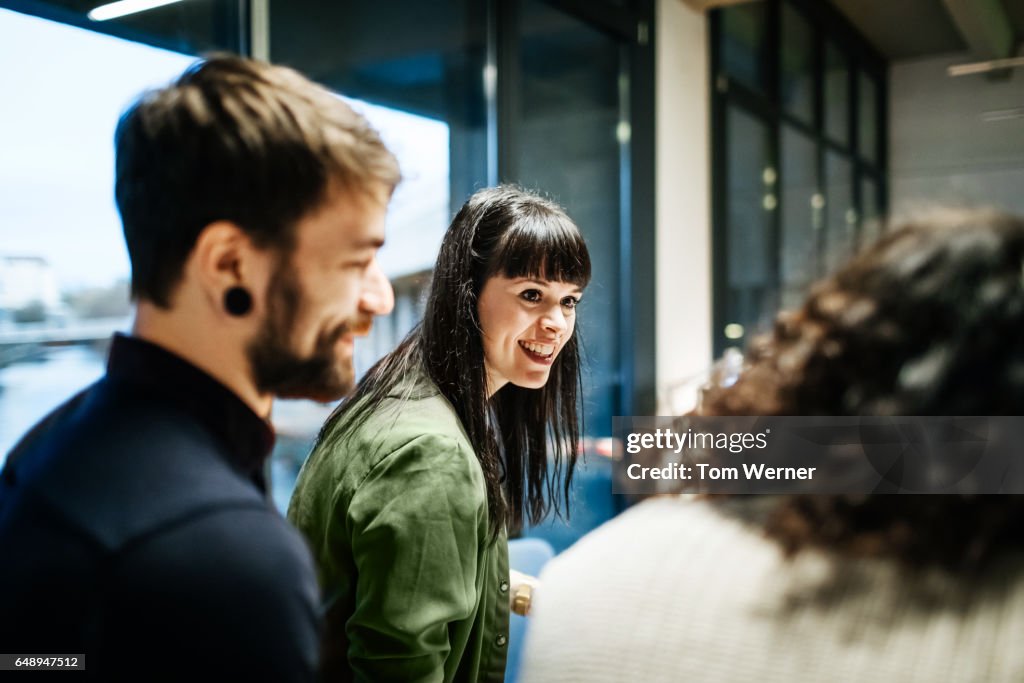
[499, 231]
[928, 321]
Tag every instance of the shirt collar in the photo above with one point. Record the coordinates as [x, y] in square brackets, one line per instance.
[247, 438]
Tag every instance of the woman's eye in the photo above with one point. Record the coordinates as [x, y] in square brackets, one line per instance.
[532, 295]
[570, 302]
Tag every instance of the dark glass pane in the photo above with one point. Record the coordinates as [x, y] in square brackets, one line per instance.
[840, 216]
[567, 147]
[751, 201]
[743, 44]
[871, 210]
[430, 66]
[797, 60]
[423, 89]
[867, 117]
[837, 94]
[801, 219]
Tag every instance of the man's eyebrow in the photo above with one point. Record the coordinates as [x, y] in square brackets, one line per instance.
[372, 242]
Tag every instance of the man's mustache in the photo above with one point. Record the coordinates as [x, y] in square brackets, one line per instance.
[359, 327]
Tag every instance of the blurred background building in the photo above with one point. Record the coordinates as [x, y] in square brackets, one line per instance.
[718, 156]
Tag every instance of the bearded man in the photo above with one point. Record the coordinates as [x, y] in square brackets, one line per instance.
[135, 527]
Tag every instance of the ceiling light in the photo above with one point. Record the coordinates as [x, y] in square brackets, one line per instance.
[113, 10]
[984, 67]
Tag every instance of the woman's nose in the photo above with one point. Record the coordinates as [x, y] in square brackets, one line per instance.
[554, 320]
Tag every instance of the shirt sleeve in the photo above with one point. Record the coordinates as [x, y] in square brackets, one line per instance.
[415, 524]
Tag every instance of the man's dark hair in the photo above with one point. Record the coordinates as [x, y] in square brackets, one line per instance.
[927, 321]
[239, 140]
[512, 233]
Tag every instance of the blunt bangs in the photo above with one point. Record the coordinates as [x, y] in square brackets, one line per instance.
[544, 247]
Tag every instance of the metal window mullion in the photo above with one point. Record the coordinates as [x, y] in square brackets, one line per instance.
[855, 156]
[719, 84]
[625, 285]
[504, 35]
[774, 46]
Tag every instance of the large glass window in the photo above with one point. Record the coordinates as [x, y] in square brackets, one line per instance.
[569, 148]
[563, 126]
[524, 91]
[424, 59]
[63, 265]
[751, 205]
[56, 200]
[571, 138]
[466, 93]
[820, 124]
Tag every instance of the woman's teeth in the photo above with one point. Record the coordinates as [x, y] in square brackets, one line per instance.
[543, 350]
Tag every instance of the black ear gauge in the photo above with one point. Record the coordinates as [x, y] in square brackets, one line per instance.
[237, 301]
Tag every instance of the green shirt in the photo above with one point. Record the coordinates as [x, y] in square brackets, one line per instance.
[396, 514]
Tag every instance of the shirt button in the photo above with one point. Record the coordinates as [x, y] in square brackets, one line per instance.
[500, 640]
[503, 587]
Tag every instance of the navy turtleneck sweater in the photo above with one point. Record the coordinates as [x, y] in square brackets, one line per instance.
[135, 528]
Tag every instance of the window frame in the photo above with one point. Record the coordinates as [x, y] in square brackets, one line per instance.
[827, 25]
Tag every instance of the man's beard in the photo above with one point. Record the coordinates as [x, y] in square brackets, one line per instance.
[277, 369]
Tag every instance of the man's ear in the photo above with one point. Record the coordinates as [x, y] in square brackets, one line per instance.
[225, 260]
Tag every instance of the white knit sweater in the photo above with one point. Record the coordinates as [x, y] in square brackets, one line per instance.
[675, 590]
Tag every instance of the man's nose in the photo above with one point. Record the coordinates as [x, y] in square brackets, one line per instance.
[377, 297]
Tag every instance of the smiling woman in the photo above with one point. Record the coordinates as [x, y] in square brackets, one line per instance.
[414, 482]
[524, 322]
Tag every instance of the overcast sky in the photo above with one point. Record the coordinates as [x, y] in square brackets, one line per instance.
[63, 90]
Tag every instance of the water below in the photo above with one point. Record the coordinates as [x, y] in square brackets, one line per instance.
[31, 389]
